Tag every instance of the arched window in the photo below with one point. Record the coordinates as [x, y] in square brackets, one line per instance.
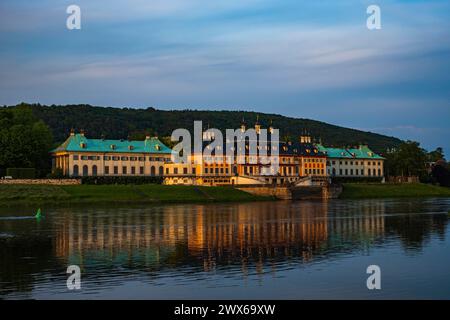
[161, 171]
[334, 171]
[85, 170]
[75, 170]
[94, 170]
[153, 171]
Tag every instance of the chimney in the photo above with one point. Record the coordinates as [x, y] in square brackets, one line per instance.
[257, 125]
[72, 132]
[243, 125]
[82, 132]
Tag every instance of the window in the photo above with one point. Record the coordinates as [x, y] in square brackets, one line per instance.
[167, 170]
[124, 170]
[340, 172]
[115, 158]
[185, 170]
[106, 158]
[161, 170]
[133, 170]
[141, 170]
[84, 157]
[175, 170]
[356, 172]
[379, 172]
[152, 171]
[85, 170]
[124, 158]
[116, 170]
[193, 170]
[94, 170]
[351, 172]
[141, 159]
[206, 170]
[133, 158]
[106, 169]
[346, 172]
[75, 170]
[75, 157]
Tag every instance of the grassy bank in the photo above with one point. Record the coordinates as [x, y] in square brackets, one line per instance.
[11, 195]
[414, 190]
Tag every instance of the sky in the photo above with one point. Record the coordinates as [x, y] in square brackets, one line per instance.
[305, 59]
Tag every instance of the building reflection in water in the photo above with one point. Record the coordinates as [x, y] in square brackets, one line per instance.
[208, 236]
[185, 241]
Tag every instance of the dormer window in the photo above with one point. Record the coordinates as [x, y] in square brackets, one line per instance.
[113, 147]
[158, 147]
[83, 145]
[130, 147]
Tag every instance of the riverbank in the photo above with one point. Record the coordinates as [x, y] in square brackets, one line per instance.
[413, 190]
[12, 195]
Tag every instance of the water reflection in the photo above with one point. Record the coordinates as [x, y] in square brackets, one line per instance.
[191, 241]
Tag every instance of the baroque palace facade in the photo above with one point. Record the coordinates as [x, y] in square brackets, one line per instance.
[297, 161]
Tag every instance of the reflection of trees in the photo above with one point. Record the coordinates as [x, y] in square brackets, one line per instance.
[416, 229]
[22, 259]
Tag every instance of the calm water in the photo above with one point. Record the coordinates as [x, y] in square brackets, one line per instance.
[272, 250]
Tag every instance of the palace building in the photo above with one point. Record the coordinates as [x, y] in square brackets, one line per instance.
[299, 161]
[296, 160]
[81, 156]
[360, 162]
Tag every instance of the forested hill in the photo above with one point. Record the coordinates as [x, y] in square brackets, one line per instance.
[117, 123]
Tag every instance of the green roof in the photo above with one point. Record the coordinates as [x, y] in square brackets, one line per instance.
[79, 143]
[363, 152]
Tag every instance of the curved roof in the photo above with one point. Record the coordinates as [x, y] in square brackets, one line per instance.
[79, 143]
[363, 152]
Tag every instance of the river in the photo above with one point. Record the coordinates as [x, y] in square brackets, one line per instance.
[260, 250]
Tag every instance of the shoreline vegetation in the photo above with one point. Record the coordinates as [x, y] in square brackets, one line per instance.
[25, 195]
[392, 190]
[16, 195]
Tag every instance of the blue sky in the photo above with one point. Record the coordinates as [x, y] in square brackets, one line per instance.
[309, 59]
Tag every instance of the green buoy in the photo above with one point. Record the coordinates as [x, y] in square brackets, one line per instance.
[38, 214]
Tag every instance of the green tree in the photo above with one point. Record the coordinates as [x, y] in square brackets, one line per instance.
[436, 155]
[24, 140]
[409, 159]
